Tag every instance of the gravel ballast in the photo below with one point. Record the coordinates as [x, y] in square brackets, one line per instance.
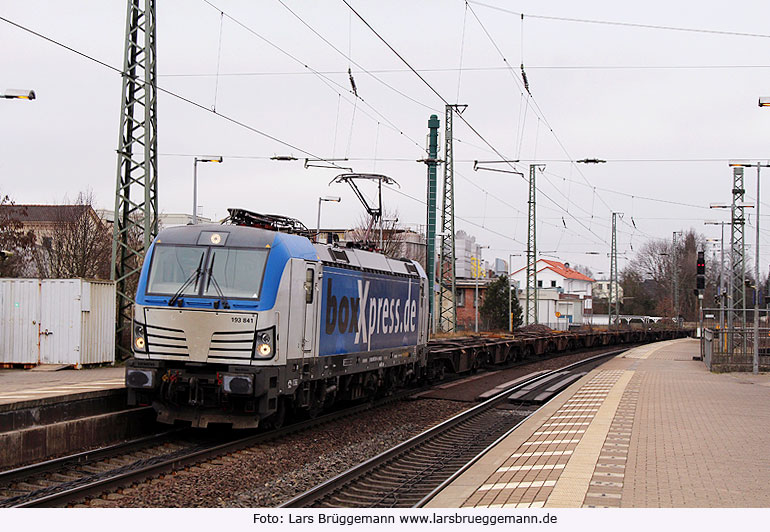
[269, 474]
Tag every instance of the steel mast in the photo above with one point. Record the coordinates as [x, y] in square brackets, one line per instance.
[737, 289]
[530, 315]
[136, 195]
[447, 303]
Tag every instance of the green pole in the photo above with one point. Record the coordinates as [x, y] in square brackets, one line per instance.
[430, 258]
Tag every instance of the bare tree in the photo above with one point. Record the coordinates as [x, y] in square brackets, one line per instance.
[650, 276]
[79, 243]
[393, 234]
[15, 243]
[585, 270]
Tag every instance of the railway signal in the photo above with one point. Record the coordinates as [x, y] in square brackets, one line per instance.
[700, 278]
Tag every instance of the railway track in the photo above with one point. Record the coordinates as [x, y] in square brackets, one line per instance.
[72, 478]
[404, 475]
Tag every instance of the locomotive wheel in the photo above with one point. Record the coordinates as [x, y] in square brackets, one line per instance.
[278, 418]
[437, 373]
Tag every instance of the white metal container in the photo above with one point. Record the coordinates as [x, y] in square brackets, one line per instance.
[57, 321]
[19, 315]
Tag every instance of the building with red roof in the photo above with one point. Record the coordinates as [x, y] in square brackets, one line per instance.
[564, 294]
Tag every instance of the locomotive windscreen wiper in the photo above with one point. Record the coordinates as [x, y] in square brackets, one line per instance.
[220, 294]
[192, 279]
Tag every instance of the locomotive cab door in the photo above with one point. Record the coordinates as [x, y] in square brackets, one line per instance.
[311, 304]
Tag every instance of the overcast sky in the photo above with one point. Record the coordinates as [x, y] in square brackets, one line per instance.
[667, 109]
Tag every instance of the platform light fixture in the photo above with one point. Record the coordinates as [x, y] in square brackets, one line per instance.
[18, 94]
[729, 206]
[764, 101]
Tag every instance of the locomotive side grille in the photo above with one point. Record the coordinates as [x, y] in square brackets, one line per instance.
[167, 342]
[232, 345]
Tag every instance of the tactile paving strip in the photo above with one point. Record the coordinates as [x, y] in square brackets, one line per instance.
[528, 477]
[606, 487]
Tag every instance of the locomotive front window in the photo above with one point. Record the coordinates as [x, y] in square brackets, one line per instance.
[173, 266]
[237, 272]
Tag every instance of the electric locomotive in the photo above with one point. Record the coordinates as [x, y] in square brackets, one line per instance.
[238, 323]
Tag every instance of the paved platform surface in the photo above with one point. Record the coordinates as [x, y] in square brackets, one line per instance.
[17, 385]
[651, 428]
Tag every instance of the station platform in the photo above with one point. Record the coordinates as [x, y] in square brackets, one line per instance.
[651, 428]
[23, 386]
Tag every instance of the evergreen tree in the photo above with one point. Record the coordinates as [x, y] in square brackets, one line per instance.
[494, 309]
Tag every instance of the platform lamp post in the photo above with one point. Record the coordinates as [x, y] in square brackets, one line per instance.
[757, 165]
[336, 199]
[478, 271]
[195, 183]
[14, 94]
[510, 290]
[721, 273]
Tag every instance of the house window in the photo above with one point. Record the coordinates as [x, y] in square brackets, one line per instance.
[460, 295]
[540, 284]
[553, 284]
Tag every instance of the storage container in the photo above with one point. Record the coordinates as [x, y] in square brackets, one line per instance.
[57, 321]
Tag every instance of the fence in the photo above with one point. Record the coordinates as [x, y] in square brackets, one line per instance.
[732, 348]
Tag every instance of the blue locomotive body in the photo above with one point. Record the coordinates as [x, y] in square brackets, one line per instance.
[238, 324]
[362, 311]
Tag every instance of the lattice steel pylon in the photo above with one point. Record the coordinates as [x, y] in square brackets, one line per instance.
[447, 301]
[737, 290]
[136, 196]
[530, 313]
[613, 304]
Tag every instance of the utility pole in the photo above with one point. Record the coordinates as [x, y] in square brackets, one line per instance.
[675, 273]
[136, 196]
[755, 357]
[737, 289]
[510, 291]
[430, 237]
[721, 288]
[530, 315]
[447, 297]
[614, 283]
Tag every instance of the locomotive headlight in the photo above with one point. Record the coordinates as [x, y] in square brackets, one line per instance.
[265, 343]
[140, 343]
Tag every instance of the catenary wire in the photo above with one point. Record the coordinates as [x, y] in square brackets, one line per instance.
[328, 81]
[168, 92]
[463, 119]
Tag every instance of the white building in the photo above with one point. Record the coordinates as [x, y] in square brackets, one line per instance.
[564, 295]
[601, 291]
[164, 220]
[558, 310]
[465, 249]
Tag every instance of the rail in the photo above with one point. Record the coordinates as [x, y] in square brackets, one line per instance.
[326, 489]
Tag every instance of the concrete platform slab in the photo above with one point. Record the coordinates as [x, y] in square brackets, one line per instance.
[20, 386]
[650, 428]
